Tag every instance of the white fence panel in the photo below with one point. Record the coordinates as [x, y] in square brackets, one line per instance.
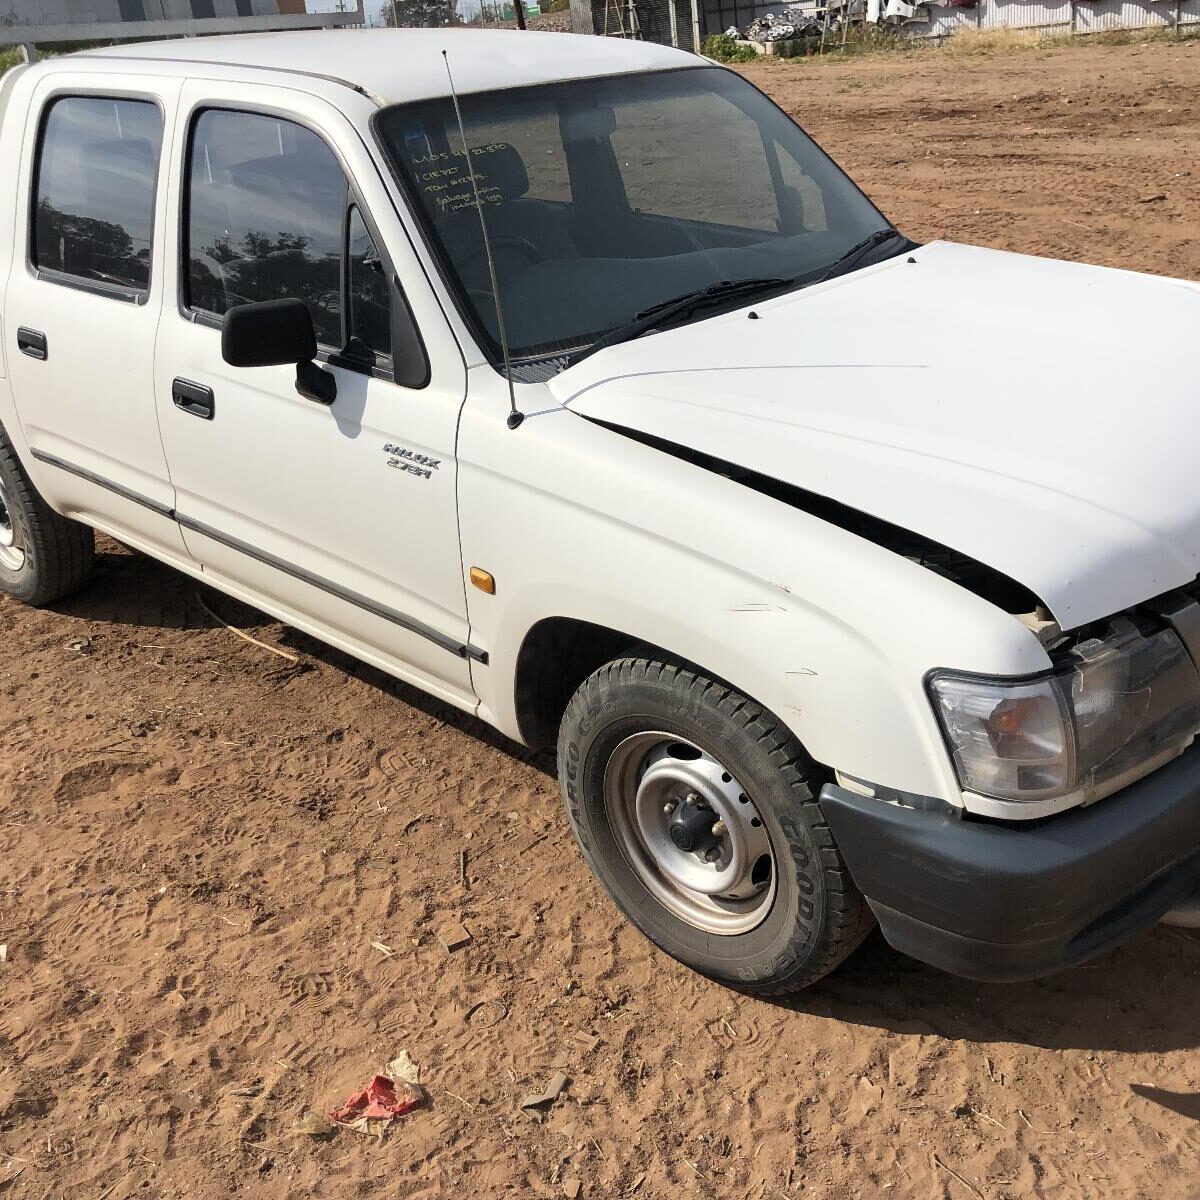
[1017, 14]
[1123, 14]
[946, 21]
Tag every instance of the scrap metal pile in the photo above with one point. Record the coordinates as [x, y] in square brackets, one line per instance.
[811, 21]
[792, 22]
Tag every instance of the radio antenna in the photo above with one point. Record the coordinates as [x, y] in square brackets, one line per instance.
[515, 416]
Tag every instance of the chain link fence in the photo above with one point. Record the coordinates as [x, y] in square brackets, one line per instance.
[544, 15]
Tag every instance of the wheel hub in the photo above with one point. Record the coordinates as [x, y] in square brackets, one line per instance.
[12, 555]
[691, 827]
[690, 833]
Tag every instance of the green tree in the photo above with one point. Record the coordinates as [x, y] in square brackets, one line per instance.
[417, 14]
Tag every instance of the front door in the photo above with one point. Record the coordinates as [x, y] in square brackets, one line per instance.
[341, 519]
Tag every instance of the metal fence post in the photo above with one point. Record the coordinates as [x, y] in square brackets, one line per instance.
[696, 26]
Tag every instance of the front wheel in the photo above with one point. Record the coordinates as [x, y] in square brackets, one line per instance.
[696, 809]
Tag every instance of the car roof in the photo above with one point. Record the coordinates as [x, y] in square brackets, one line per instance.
[398, 65]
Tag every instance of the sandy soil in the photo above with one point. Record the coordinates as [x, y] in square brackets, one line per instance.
[199, 846]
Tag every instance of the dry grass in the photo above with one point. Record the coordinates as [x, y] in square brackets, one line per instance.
[992, 41]
[1004, 40]
[876, 41]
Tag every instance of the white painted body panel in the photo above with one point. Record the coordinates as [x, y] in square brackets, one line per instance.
[1074, 475]
[92, 401]
[1057, 473]
[8, 230]
[398, 65]
[311, 485]
[832, 633]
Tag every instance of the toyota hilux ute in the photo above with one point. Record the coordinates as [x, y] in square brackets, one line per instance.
[568, 380]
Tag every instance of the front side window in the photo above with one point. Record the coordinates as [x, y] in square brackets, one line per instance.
[267, 208]
[94, 195]
[605, 197]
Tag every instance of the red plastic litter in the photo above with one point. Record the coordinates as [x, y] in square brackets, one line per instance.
[377, 1101]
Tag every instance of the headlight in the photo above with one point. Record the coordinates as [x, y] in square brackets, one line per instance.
[1114, 709]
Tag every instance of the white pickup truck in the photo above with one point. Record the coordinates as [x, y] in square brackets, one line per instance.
[633, 436]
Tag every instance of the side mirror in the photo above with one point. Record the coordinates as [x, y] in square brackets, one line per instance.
[276, 333]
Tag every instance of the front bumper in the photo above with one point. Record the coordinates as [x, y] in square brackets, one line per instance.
[1008, 902]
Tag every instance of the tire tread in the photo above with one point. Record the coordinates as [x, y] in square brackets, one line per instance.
[848, 918]
[60, 552]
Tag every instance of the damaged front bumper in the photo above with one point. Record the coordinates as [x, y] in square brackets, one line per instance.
[994, 901]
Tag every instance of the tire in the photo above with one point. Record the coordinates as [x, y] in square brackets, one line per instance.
[43, 557]
[643, 728]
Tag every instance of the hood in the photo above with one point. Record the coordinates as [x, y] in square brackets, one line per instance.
[1041, 417]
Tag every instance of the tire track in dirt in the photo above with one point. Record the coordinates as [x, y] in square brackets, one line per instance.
[197, 851]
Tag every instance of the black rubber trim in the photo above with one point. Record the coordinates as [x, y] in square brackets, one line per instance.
[474, 653]
[154, 506]
[1017, 900]
[333, 589]
[93, 287]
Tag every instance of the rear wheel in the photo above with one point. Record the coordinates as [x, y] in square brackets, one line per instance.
[43, 556]
[696, 809]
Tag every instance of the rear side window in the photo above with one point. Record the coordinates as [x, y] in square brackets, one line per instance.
[267, 208]
[94, 195]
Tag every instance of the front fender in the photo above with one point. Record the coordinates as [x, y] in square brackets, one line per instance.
[829, 631]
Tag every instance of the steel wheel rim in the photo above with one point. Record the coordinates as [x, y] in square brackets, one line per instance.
[658, 791]
[12, 556]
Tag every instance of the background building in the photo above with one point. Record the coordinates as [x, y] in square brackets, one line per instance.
[51, 22]
[70, 12]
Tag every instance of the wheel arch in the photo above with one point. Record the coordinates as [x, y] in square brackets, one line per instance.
[558, 653]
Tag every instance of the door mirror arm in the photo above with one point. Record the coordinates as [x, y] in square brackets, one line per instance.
[277, 333]
[315, 384]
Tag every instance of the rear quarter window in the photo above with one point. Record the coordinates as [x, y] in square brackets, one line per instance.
[93, 202]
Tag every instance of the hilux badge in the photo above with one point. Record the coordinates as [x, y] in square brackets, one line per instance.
[403, 459]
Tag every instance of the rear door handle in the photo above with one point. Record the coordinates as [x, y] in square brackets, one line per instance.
[30, 342]
[194, 399]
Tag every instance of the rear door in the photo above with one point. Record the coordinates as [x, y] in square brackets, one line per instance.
[341, 519]
[83, 301]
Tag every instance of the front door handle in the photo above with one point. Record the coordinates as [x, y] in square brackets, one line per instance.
[32, 343]
[194, 399]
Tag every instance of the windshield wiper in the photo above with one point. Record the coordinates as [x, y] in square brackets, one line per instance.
[658, 315]
[856, 253]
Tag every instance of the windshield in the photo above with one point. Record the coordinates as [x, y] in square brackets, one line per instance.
[606, 197]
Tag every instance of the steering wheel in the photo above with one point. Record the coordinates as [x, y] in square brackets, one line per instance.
[499, 240]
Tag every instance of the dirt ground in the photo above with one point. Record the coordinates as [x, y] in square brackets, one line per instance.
[222, 878]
